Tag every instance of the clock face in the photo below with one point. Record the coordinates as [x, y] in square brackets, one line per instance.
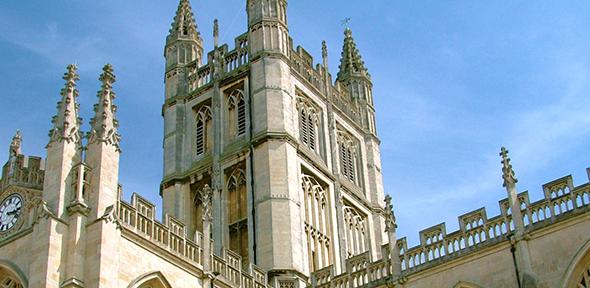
[10, 211]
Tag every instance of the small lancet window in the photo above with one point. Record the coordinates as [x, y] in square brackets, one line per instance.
[236, 110]
[203, 131]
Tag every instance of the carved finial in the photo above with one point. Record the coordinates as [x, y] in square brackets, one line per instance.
[66, 123]
[206, 193]
[15, 144]
[390, 221]
[507, 172]
[351, 62]
[325, 54]
[216, 33]
[346, 22]
[104, 124]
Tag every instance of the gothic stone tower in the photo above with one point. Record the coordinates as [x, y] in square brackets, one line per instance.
[292, 157]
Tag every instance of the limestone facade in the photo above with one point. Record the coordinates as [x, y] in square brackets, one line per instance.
[272, 177]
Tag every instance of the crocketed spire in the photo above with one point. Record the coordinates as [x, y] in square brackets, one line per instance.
[66, 124]
[184, 24]
[351, 62]
[507, 172]
[103, 126]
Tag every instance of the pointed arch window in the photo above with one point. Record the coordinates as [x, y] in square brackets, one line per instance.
[8, 279]
[349, 159]
[238, 213]
[309, 125]
[236, 106]
[203, 131]
[317, 223]
[356, 231]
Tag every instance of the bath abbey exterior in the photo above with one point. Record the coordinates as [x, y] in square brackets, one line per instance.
[272, 178]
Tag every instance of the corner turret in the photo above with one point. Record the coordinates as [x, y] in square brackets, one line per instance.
[268, 28]
[351, 63]
[183, 46]
[355, 76]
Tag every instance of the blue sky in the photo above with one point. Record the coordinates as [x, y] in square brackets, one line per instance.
[454, 81]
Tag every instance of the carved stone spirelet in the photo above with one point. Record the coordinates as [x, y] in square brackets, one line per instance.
[507, 172]
[206, 194]
[104, 123]
[66, 123]
[15, 144]
[390, 222]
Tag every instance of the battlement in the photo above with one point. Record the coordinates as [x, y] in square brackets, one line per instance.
[202, 76]
[25, 171]
[171, 236]
[302, 63]
[561, 201]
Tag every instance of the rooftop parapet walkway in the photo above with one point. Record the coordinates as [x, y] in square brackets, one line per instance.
[561, 201]
[138, 219]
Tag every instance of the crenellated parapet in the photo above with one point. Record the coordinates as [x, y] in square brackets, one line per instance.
[137, 221]
[562, 201]
[302, 64]
[232, 61]
[24, 171]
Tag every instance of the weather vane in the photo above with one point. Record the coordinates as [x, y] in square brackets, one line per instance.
[346, 22]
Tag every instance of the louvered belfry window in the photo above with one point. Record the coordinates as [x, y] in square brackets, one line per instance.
[308, 125]
[203, 130]
[348, 157]
[241, 116]
[236, 111]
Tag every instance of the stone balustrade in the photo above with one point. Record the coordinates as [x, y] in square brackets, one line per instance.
[201, 76]
[560, 202]
[302, 65]
[137, 217]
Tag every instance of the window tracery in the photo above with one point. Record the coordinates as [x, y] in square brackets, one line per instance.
[203, 131]
[356, 231]
[8, 280]
[584, 281]
[236, 108]
[317, 223]
[309, 124]
[238, 217]
[348, 154]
